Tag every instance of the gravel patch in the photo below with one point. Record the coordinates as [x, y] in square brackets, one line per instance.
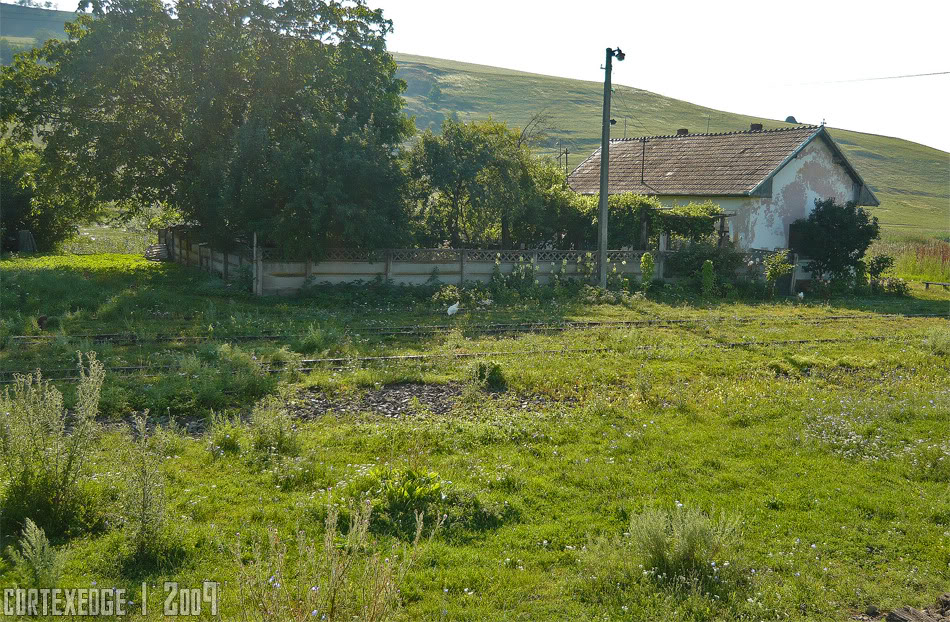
[399, 400]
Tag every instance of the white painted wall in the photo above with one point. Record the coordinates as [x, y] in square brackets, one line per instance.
[762, 223]
[813, 174]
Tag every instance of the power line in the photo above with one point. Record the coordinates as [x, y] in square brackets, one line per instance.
[908, 75]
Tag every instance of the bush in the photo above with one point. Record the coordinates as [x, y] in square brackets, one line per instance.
[489, 375]
[684, 547]
[320, 340]
[878, 265]
[37, 563]
[895, 287]
[226, 435]
[273, 429]
[647, 269]
[144, 503]
[834, 238]
[777, 266]
[688, 262]
[50, 219]
[44, 449]
[335, 581]
[708, 279]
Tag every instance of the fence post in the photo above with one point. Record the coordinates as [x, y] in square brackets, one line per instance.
[791, 287]
[389, 264]
[259, 273]
[462, 254]
[644, 232]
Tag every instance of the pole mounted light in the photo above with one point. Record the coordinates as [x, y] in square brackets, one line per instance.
[604, 166]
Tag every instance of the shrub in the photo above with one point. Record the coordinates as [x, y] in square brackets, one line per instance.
[144, 503]
[27, 204]
[684, 547]
[37, 563]
[878, 265]
[225, 436]
[834, 238]
[319, 339]
[895, 287]
[688, 261]
[647, 269]
[489, 375]
[406, 492]
[44, 449]
[939, 341]
[777, 266]
[522, 278]
[335, 581]
[708, 279]
[273, 429]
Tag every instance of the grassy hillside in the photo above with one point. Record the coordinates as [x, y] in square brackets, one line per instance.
[911, 180]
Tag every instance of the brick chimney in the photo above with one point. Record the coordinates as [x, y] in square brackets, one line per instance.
[682, 131]
[756, 127]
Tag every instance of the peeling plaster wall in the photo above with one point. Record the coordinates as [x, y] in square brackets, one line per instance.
[762, 223]
[813, 174]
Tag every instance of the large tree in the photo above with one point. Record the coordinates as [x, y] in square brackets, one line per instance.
[279, 117]
[471, 183]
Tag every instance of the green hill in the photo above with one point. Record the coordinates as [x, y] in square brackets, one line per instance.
[910, 179]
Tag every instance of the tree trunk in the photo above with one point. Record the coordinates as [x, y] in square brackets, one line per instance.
[505, 231]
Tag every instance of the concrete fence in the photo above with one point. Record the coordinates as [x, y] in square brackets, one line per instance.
[269, 274]
[412, 266]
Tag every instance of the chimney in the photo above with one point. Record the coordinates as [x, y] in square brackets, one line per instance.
[682, 131]
[756, 127]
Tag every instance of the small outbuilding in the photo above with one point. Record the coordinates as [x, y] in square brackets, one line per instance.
[764, 179]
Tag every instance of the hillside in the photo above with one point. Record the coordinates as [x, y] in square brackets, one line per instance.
[910, 179]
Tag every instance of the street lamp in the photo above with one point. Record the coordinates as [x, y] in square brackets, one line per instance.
[604, 164]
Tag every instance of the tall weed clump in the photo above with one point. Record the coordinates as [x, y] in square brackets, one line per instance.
[144, 505]
[340, 580]
[44, 449]
[684, 547]
[273, 429]
[682, 552]
[35, 561]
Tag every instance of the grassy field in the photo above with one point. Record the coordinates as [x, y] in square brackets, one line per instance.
[806, 444]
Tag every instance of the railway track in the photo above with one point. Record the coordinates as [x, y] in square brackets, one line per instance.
[309, 365]
[480, 329]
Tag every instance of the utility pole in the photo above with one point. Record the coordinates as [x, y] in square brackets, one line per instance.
[604, 168]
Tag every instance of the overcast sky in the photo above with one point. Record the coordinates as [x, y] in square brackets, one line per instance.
[759, 58]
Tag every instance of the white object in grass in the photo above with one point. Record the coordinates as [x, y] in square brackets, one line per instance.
[453, 309]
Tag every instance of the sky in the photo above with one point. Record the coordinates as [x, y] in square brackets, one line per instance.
[766, 59]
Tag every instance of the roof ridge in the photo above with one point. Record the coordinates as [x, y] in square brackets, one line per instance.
[732, 133]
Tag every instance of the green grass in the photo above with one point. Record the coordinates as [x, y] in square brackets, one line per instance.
[831, 457]
[916, 257]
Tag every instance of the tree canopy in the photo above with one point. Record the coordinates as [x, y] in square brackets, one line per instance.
[244, 115]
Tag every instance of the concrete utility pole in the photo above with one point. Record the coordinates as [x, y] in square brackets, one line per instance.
[604, 164]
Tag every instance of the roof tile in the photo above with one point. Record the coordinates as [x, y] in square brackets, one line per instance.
[731, 163]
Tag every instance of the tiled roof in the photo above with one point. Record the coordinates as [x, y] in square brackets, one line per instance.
[728, 164]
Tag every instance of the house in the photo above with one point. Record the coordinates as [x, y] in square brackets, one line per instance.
[764, 179]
